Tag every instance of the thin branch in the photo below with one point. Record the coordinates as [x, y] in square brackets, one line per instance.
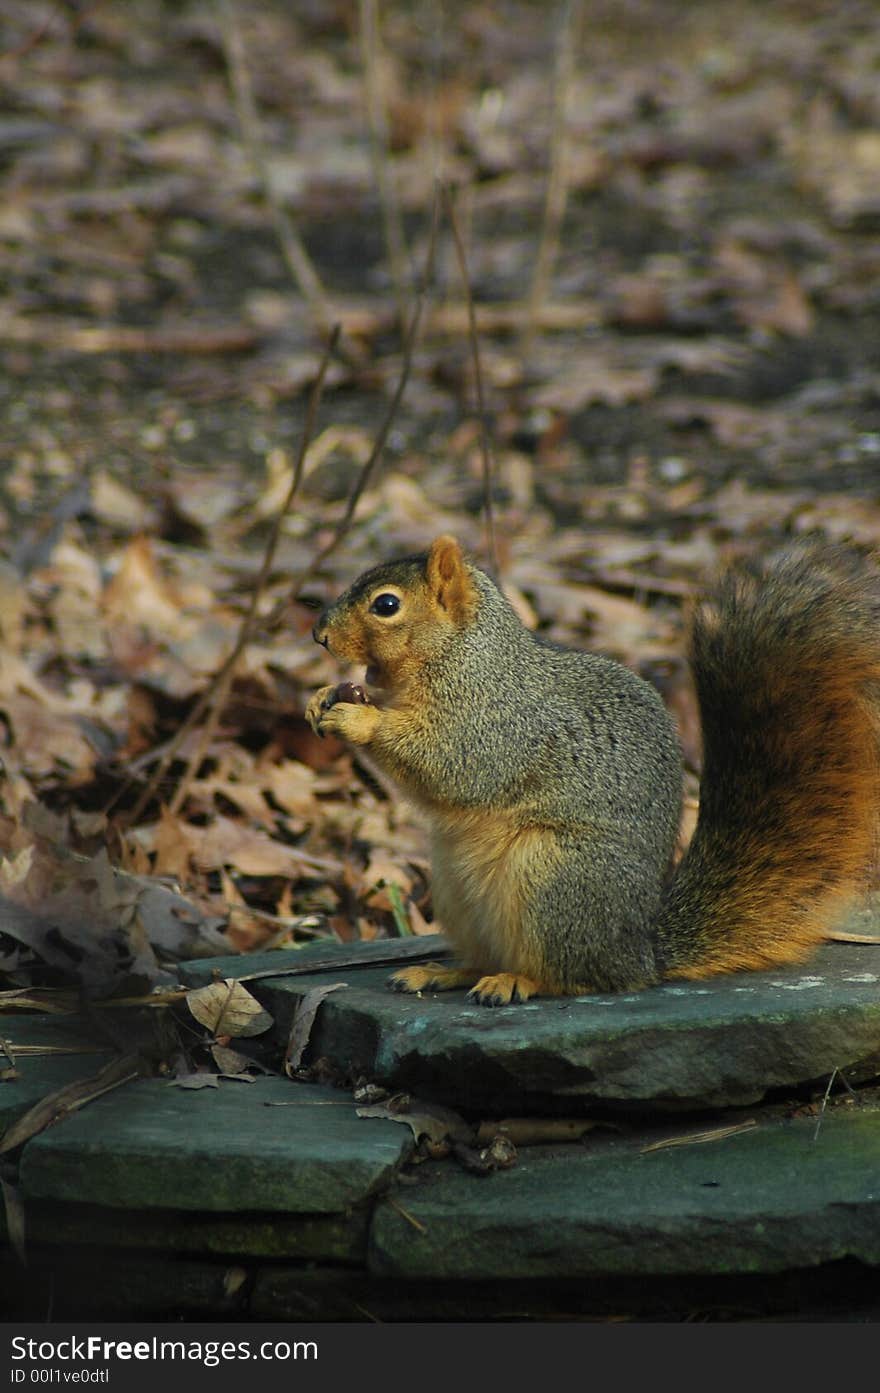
[298, 261]
[214, 696]
[72, 336]
[556, 195]
[43, 29]
[377, 119]
[485, 442]
[366, 473]
[511, 317]
[834, 1073]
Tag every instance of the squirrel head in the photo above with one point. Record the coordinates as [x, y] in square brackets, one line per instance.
[399, 615]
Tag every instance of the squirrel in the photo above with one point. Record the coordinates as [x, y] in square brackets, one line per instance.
[552, 778]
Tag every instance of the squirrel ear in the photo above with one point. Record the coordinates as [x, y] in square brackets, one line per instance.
[449, 580]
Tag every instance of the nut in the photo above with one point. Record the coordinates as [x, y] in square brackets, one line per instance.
[351, 692]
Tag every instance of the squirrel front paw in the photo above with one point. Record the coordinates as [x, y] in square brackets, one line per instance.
[328, 713]
[318, 707]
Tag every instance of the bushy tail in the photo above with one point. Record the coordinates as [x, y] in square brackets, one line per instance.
[786, 662]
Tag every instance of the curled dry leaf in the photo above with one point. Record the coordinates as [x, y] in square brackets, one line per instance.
[228, 1008]
[429, 1120]
[139, 594]
[381, 871]
[80, 916]
[252, 852]
[48, 735]
[501, 1152]
[302, 1025]
[234, 1279]
[229, 1061]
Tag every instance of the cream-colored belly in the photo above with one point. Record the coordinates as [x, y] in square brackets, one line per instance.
[486, 869]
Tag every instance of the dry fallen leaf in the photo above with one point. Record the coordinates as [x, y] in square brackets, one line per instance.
[79, 915]
[228, 1008]
[252, 852]
[230, 1062]
[138, 594]
[303, 1021]
[73, 1096]
[429, 1120]
[201, 1078]
[13, 1205]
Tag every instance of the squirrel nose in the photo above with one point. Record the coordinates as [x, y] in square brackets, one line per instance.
[319, 632]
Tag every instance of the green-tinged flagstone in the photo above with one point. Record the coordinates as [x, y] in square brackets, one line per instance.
[724, 1042]
[42, 1073]
[775, 1197]
[149, 1145]
[327, 1237]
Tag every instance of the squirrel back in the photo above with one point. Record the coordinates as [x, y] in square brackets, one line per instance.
[551, 778]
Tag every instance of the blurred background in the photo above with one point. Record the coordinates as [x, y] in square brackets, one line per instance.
[618, 262]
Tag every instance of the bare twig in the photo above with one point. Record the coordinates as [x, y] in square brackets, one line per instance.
[302, 925]
[366, 473]
[535, 1131]
[840, 936]
[555, 316]
[298, 261]
[44, 27]
[698, 1138]
[395, 242]
[72, 336]
[827, 1095]
[212, 699]
[214, 695]
[410, 1218]
[556, 195]
[436, 125]
[485, 444]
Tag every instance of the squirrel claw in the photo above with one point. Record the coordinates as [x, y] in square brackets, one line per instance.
[503, 989]
[317, 709]
[355, 721]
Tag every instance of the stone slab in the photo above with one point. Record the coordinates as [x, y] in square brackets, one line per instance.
[149, 1145]
[336, 1238]
[198, 972]
[774, 1198]
[43, 1073]
[723, 1042]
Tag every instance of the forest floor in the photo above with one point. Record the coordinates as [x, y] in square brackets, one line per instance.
[670, 218]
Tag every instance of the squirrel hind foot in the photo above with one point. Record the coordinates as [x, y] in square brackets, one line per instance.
[431, 977]
[503, 989]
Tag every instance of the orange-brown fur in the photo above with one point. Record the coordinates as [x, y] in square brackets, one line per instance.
[806, 844]
[484, 869]
[787, 668]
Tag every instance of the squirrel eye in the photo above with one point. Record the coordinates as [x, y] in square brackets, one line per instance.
[385, 605]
